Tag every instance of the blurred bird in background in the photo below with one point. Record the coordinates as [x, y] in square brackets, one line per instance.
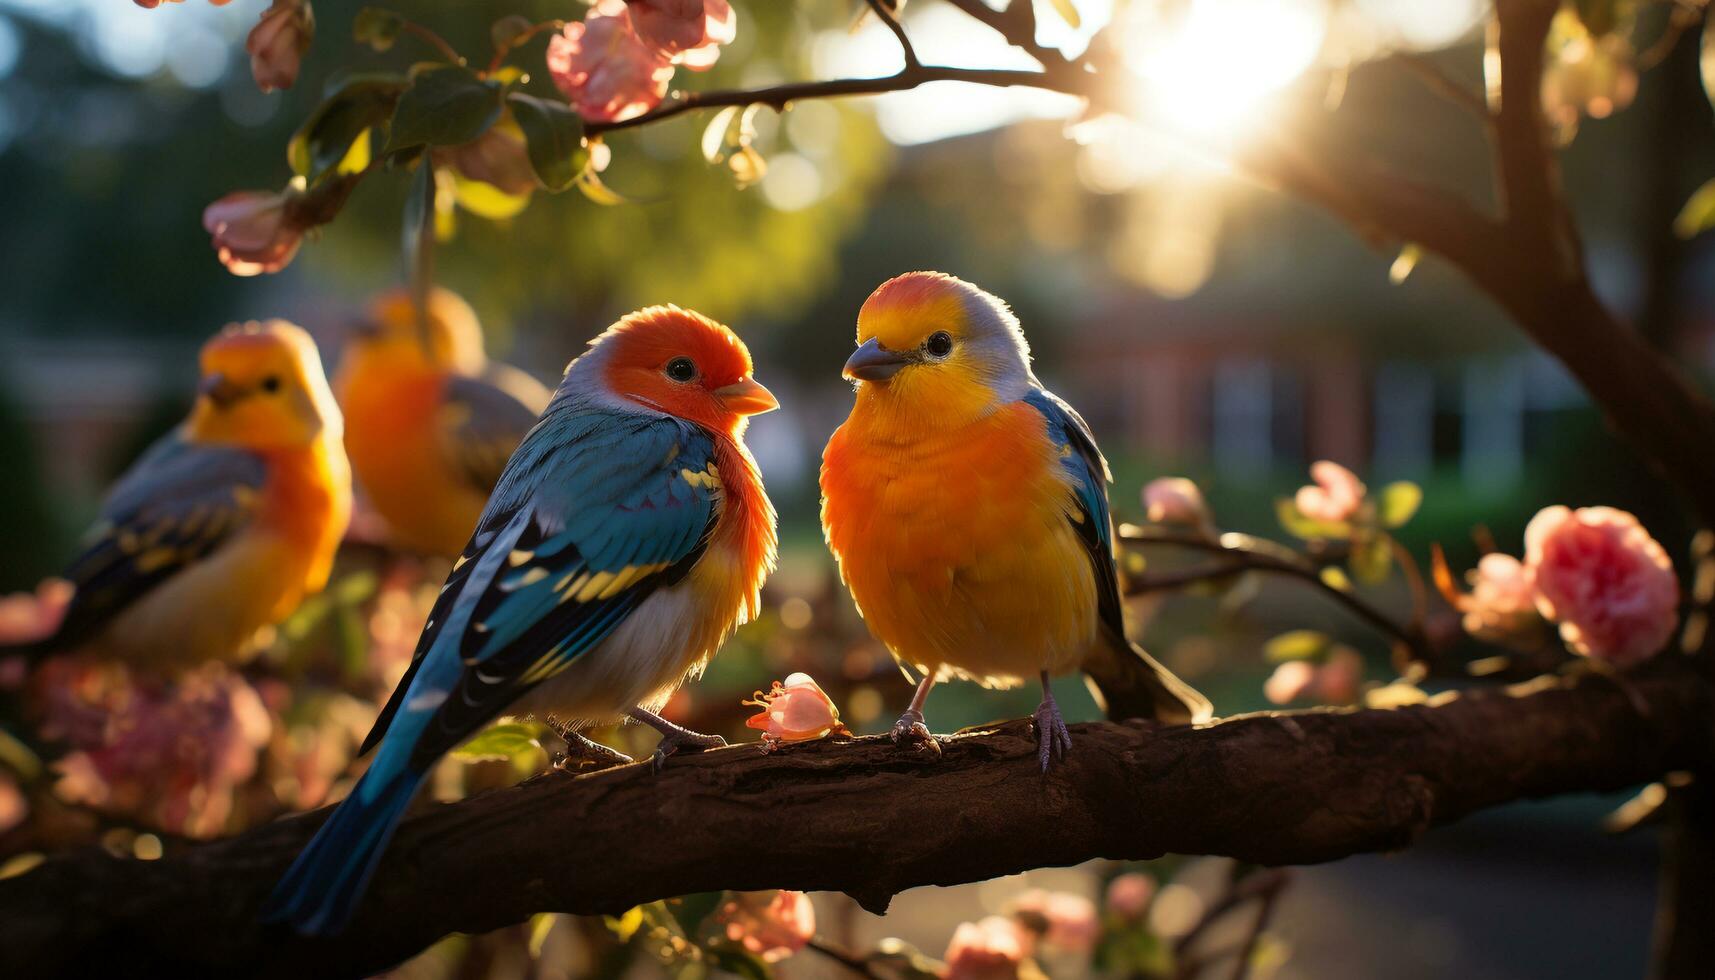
[429, 420]
[224, 524]
[626, 539]
[967, 506]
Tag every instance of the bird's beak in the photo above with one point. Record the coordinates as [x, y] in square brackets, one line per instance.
[873, 362]
[219, 389]
[747, 397]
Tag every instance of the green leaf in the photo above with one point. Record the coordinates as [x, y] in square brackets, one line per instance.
[503, 741]
[1371, 560]
[1698, 215]
[1067, 12]
[1403, 263]
[19, 758]
[1335, 579]
[554, 136]
[1706, 59]
[625, 926]
[418, 244]
[486, 200]
[376, 27]
[1307, 528]
[1398, 503]
[691, 910]
[541, 924]
[1296, 645]
[332, 131]
[446, 105]
[590, 183]
[898, 958]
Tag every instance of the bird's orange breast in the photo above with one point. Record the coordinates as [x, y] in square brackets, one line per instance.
[958, 544]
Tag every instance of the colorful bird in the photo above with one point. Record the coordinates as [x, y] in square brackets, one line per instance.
[429, 420]
[224, 524]
[968, 509]
[627, 538]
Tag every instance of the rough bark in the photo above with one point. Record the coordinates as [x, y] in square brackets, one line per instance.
[870, 819]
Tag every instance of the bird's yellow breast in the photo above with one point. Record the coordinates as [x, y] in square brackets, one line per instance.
[958, 545]
[391, 420]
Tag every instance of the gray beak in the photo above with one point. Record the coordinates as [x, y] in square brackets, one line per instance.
[216, 388]
[873, 362]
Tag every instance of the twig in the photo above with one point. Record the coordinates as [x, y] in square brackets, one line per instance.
[779, 96]
[1441, 84]
[1265, 908]
[887, 17]
[1257, 554]
[845, 958]
[438, 42]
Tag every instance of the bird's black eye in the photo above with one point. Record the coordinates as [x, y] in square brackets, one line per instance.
[939, 344]
[271, 383]
[682, 369]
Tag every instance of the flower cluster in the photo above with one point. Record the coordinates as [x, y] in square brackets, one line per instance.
[615, 64]
[771, 924]
[167, 754]
[1594, 572]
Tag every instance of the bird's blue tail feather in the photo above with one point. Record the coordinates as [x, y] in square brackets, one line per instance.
[323, 886]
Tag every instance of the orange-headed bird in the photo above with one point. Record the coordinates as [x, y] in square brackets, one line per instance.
[429, 420]
[968, 508]
[227, 522]
[628, 536]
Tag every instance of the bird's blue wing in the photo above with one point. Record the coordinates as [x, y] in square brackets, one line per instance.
[591, 517]
[1090, 477]
[178, 502]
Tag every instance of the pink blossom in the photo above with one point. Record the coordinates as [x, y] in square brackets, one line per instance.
[1176, 500]
[771, 924]
[170, 754]
[152, 4]
[992, 949]
[689, 32]
[1607, 583]
[253, 231]
[604, 69]
[277, 44]
[1129, 895]
[1336, 496]
[795, 711]
[1501, 606]
[1061, 918]
[26, 617]
[1338, 680]
[14, 807]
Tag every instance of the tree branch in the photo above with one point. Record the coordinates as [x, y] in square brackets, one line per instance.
[870, 819]
[886, 15]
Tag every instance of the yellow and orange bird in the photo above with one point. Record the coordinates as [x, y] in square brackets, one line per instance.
[968, 508]
[430, 421]
[226, 523]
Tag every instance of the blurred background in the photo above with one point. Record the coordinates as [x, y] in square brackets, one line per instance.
[1205, 326]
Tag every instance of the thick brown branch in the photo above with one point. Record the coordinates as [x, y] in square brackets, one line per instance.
[868, 818]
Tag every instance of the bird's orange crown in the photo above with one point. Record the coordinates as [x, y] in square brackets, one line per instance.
[682, 363]
[263, 388]
[447, 337]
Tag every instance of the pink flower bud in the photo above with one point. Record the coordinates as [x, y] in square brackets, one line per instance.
[771, 924]
[1176, 500]
[1608, 584]
[992, 949]
[1289, 682]
[1501, 606]
[1061, 918]
[1129, 895]
[604, 70]
[277, 44]
[252, 231]
[795, 711]
[26, 617]
[689, 32]
[1338, 680]
[1336, 496]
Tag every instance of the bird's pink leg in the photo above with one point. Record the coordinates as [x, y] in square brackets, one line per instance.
[673, 737]
[1053, 740]
[910, 726]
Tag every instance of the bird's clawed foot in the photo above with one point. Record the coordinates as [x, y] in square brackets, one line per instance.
[674, 738]
[1053, 740]
[910, 730]
[583, 752]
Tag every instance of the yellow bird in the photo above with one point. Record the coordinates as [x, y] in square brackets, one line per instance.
[226, 523]
[430, 421]
[968, 508]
